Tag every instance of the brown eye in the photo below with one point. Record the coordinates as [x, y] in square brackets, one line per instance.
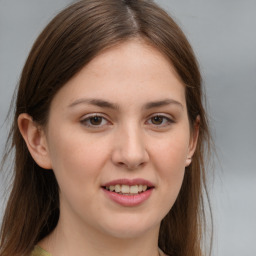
[160, 121]
[96, 120]
[157, 120]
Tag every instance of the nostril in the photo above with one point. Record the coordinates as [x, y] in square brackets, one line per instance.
[131, 166]
[130, 159]
[121, 164]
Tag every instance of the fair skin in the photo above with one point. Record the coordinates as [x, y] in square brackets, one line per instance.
[123, 116]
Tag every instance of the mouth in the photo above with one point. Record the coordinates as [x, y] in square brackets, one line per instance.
[128, 193]
[127, 190]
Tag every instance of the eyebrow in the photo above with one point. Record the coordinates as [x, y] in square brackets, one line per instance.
[96, 102]
[161, 103]
[106, 104]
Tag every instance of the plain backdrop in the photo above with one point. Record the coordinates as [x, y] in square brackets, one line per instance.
[223, 35]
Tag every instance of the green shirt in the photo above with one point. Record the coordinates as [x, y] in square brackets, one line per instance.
[38, 251]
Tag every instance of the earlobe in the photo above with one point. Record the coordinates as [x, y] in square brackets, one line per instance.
[188, 161]
[35, 140]
[193, 141]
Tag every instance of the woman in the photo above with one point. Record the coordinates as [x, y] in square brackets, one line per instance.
[110, 137]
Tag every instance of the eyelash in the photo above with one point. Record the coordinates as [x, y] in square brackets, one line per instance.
[89, 118]
[168, 121]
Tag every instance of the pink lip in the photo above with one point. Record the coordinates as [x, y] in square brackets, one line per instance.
[131, 200]
[128, 200]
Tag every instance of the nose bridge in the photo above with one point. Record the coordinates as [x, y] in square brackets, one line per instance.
[130, 149]
[133, 141]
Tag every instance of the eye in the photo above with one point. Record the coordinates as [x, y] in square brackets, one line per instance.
[95, 120]
[160, 120]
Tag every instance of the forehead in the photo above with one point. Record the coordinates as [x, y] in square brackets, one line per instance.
[135, 56]
[132, 72]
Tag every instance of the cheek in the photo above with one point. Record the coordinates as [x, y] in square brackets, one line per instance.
[76, 159]
[169, 158]
[77, 162]
[171, 167]
[170, 153]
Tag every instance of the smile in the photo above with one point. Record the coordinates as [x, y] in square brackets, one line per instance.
[128, 193]
[126, 189]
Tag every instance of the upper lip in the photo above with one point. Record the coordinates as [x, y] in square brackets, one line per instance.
[129, 182]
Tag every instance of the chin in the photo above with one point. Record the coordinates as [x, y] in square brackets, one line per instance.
[130, 227]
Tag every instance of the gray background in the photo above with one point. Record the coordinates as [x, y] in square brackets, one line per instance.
[223, 35]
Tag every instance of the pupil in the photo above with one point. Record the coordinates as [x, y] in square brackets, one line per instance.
[96, 120]
[157, 120]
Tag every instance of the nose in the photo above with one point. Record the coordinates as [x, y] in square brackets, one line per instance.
[129, 149]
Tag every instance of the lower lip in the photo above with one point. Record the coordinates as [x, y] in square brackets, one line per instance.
[131, 200]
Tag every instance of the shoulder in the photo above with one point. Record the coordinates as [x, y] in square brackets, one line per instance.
[38, 251]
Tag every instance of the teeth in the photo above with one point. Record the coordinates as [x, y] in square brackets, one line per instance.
[134, 189]
[126, 189]
[117, 188]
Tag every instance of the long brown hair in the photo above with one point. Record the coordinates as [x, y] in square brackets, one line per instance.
[66, 45]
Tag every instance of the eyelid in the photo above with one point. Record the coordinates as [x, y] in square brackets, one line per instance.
[88, 116]
[170, 120]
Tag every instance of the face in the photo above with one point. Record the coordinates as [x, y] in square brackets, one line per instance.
[118, 139]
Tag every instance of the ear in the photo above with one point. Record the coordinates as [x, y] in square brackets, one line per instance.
[35, 139]
[193, 141]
